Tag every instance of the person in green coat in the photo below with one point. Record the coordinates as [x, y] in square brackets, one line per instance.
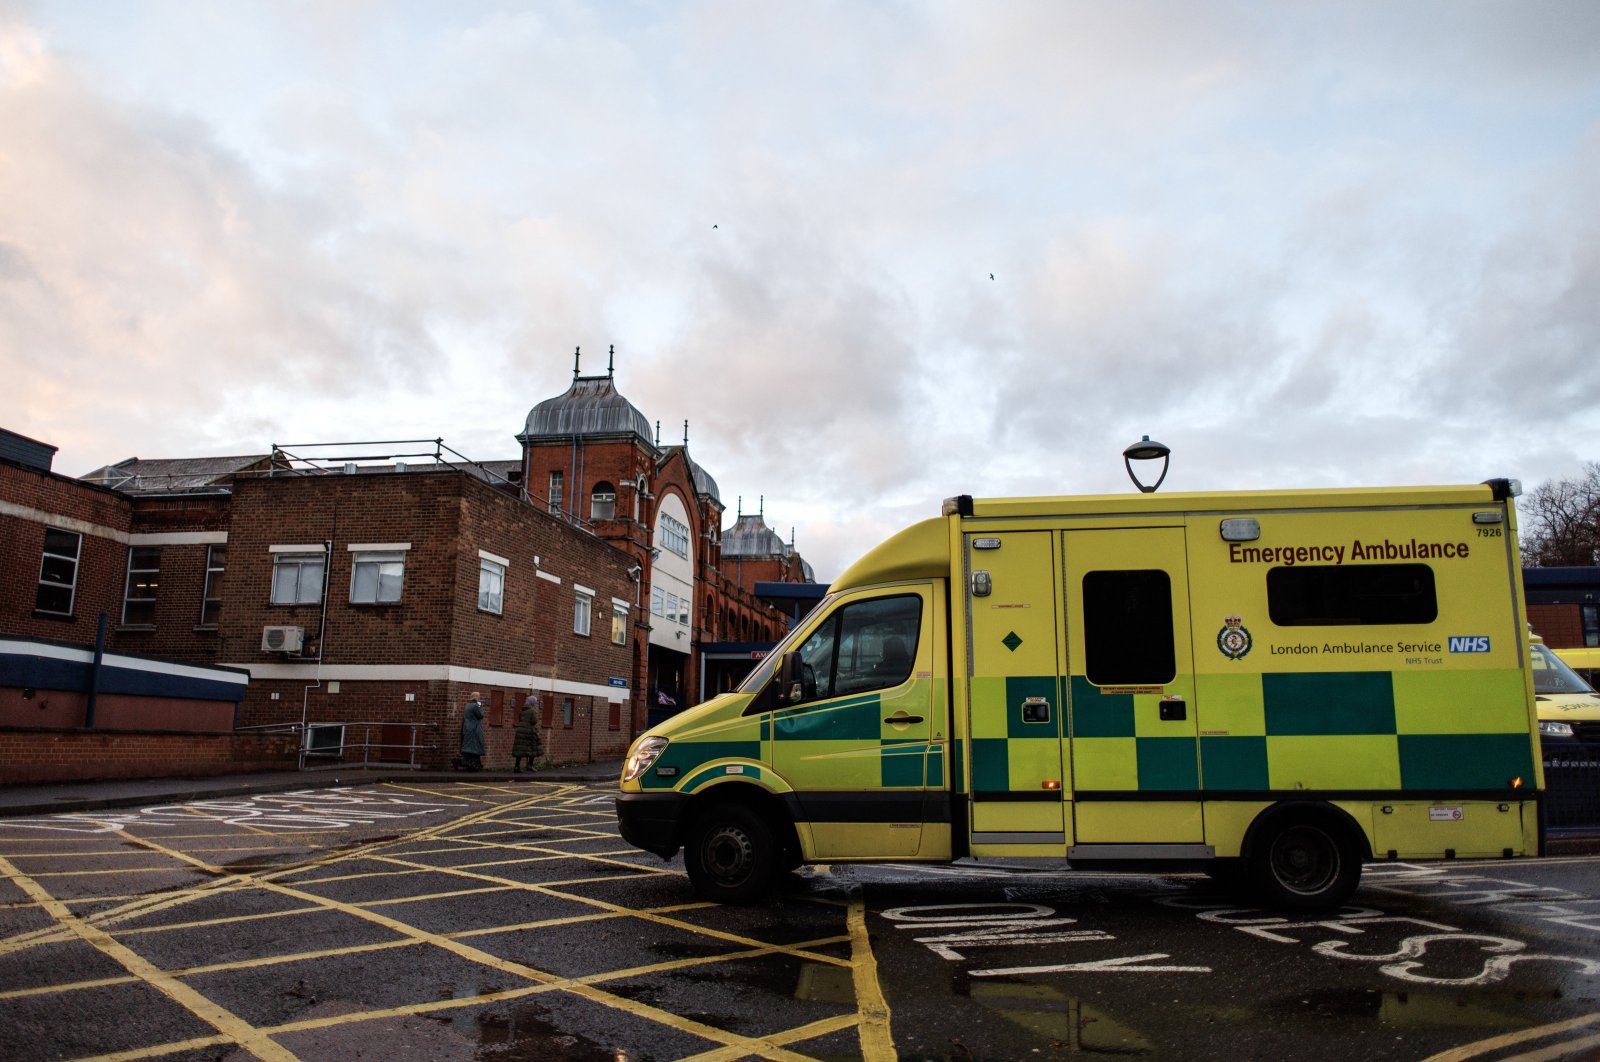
[525, 744]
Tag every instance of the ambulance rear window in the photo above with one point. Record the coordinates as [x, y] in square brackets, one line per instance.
[1351, 595]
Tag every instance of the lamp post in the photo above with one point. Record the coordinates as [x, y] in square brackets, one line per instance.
[1146, 450]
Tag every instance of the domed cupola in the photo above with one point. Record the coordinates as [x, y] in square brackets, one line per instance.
[591, 406]
[751, 537]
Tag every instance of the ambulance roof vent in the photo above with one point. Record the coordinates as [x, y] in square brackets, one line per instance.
[1241, 529]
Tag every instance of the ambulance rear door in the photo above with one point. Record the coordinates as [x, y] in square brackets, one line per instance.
[1131, 692]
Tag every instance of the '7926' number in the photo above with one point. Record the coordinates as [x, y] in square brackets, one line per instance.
[1488, 532]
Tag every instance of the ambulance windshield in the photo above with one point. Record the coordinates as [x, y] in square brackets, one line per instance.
[1552, 675]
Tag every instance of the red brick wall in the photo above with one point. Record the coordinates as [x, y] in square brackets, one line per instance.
[177, 633]
[112, 711]
[437, 629]
[37, 756]
[1560, 626]
[102, 561]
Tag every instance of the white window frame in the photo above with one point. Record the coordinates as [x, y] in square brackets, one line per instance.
[658, 599]
[582, 610]
[388, 581]
[211, 593]
[147, 580]
[492, 582]
[299, 558]
[619, 621]
[675, 535]
[558, 487]
[71, 585]
[603, 496]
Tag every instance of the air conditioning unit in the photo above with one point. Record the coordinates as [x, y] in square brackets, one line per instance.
[282, 639]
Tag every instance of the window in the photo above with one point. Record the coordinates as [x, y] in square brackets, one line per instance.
[557, 488]
[683, 610]
[619, 622]
[376, 578]
[672, 607]
[297, 578]
[1589, 619]
[603, 502]
[491, 585]
[144, 578]
[1348, 595]
[211, 597]
[674, 535]
[582, 610]
[58, 572]
[1127, 628]
[868, 645]
[566, 714]
[657, 601]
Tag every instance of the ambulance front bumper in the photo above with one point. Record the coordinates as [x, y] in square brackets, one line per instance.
[650, 821]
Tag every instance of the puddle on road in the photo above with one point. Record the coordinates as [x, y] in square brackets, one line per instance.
[524, 1033]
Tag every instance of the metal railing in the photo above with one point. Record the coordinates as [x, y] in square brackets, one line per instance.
[324, 746]
[1572, 785]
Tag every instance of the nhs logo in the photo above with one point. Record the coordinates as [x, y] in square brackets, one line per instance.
[1469, 643]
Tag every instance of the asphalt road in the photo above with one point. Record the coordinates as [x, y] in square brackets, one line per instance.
[506, 920]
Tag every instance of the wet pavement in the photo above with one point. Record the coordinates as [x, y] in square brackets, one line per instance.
[500, 917]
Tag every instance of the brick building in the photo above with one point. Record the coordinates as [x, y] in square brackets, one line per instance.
[1564, 605]
[376, 595]
[592, 459]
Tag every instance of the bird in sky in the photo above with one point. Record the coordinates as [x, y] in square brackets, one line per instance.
[991, 276]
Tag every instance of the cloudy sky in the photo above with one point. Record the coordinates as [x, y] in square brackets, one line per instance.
[876, 254]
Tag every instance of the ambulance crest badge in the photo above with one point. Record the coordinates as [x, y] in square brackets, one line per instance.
[1233, 639]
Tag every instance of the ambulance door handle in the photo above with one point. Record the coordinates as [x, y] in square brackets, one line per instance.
[900, 718]
[1173, 708]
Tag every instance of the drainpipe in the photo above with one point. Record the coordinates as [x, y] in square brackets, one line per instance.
[94, 670]
[322, 634]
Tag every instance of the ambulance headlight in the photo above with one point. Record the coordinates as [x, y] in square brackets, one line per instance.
[1551, 728]
[645, 754]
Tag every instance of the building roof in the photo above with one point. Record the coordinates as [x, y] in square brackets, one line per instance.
[591, 406]
[703, 483]
[751, 537]
[174, 475]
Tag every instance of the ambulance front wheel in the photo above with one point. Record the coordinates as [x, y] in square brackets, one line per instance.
[731, 854]
[1305, 864]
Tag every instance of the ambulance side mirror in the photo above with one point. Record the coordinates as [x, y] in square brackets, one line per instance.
[795, 684]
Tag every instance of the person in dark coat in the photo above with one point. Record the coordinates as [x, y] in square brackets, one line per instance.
[526, 745]
[471, 758]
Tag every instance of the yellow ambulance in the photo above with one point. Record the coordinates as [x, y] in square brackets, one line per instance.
[1270, 686]
[1568, 707]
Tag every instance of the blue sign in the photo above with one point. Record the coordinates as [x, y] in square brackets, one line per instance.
[619, 683]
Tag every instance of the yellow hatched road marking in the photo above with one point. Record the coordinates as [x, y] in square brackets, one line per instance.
[235, 1028]
[752, 1045]
[1522, 1036]
[871, 1017]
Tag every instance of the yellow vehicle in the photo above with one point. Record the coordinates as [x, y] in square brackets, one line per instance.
[1270, 686]
[1568, 707]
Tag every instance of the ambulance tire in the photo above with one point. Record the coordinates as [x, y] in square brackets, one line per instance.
[731, 855]
[1304, 863]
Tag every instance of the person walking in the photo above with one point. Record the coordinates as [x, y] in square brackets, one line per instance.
[471, 758]
[526, 745]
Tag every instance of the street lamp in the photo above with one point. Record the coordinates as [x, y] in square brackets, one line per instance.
[1146, 450]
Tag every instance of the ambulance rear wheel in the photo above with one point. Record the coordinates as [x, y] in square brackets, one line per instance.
[731, 854]
[1305, 864]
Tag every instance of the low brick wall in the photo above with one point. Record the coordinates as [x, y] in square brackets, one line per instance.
[73, 755]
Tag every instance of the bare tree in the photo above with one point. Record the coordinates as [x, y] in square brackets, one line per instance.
[1560, 521]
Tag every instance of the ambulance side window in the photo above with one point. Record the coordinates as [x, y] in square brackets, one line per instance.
[864, 646]
[1349, 595]
[1127, 628]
